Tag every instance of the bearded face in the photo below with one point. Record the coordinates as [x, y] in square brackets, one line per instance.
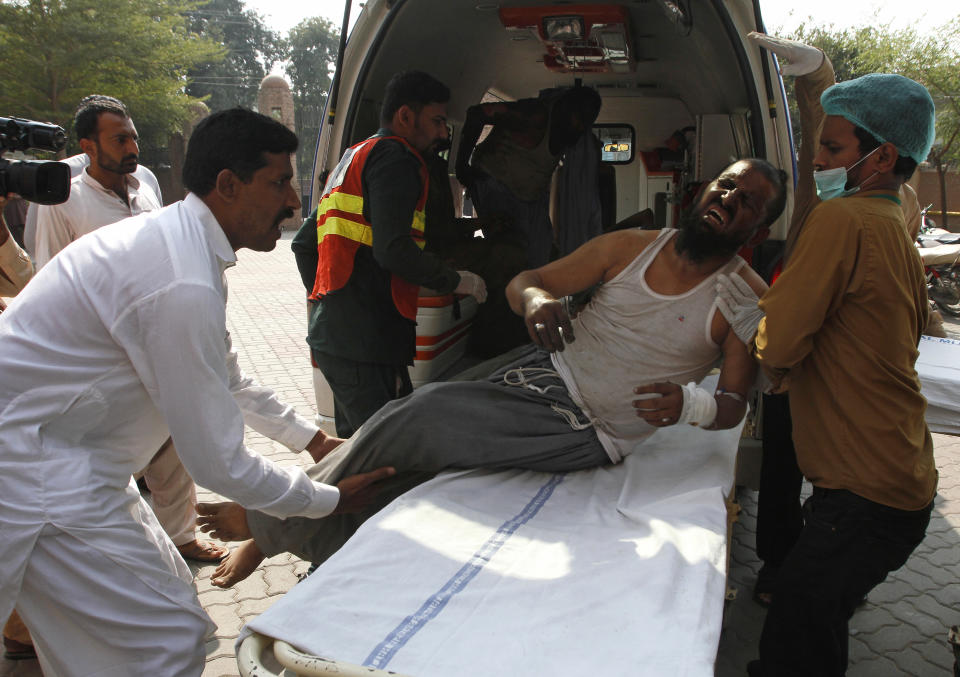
[728, 214]
[699, 242]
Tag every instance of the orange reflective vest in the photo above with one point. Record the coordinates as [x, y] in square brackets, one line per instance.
[342, 229]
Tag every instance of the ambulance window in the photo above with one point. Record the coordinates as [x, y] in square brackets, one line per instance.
[616, 143]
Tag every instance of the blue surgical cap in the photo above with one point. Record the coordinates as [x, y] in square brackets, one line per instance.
[892, 108]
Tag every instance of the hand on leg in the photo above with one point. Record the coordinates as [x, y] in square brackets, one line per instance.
[358, 491]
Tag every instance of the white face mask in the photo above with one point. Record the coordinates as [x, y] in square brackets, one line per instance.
[832, 183]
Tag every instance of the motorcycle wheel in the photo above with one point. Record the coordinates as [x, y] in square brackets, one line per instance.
[952, 309]
[944, 291]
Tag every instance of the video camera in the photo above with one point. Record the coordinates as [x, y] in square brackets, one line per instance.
[47, 183]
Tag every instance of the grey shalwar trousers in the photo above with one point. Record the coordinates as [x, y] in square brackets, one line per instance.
[521, 417]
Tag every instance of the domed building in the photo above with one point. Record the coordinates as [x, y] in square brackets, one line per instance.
[276, 100]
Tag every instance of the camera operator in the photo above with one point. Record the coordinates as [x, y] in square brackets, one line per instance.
[15, 266]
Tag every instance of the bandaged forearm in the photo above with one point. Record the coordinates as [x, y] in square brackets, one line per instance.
[699, 406]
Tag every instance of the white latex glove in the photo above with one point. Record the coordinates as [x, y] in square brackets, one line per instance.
[738, 303]
[473, 284]
[803, 58]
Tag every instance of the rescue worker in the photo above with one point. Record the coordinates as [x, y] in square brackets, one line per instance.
[840, 333]
[363, 258]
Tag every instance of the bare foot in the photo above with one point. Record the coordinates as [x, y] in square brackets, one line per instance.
[226, 521]
[202, 551]
[240, 563]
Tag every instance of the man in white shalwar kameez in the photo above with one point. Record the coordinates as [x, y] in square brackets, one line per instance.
[117, 343]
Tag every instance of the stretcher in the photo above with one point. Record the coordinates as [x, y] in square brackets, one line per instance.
[617, 571]
[939, 369]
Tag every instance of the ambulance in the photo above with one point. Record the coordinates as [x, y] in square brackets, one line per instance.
[683, 93]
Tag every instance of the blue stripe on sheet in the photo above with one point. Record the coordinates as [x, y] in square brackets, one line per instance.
[384, 652]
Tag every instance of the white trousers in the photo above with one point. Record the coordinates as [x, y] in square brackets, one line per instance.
[173, 495]
[92, 617]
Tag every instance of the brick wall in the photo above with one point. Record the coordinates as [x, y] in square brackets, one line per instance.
[927, 184]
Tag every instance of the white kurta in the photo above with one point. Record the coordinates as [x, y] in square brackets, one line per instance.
[118, 342]
[89, 207]
[77, 163]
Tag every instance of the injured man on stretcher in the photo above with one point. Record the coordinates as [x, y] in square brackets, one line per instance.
[588, 391]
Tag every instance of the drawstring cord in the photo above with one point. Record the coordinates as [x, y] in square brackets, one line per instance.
[527, 377]
[571, 417]
[522, 379]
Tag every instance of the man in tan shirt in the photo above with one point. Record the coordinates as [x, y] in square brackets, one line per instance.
[779, 514]
[15, 266]
[840, 334]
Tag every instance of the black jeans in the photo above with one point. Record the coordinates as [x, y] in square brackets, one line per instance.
[848, 546]
[779, 515]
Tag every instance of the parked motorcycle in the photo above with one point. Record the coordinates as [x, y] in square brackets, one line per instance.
[940, 252]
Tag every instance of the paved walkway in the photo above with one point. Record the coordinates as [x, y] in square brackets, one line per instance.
[900, 631]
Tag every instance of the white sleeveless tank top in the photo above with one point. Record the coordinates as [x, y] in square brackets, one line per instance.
[627, 336]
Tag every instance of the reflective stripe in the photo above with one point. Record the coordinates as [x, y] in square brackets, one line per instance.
[340, 214]
[345, 202]
[419, 221]
[358, 232]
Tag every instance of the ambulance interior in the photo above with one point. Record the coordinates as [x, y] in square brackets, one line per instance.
[682, 93]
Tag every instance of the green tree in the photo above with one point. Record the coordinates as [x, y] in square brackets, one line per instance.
[853, 52]
[937, 65]
[55, 52]
[931, 58]
[312, 52]
[250, 47]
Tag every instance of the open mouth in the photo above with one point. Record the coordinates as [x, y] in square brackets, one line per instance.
[716, 217]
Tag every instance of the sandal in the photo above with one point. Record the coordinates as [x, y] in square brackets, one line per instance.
[202, 551]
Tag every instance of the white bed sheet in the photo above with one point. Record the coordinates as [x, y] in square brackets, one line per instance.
[939, 369]
[613, 571]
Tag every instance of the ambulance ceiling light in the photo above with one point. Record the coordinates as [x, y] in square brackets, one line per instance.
[577, 38]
